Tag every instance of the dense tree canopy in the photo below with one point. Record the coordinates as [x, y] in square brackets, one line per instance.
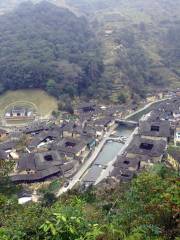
[43, 46]
[147, 208]
[140, 42]
[171, 48]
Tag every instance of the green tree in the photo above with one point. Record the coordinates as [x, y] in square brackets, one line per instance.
[122, 98]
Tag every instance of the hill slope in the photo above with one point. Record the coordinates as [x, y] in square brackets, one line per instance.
[140, 41]
[148, 208]
[43, 46]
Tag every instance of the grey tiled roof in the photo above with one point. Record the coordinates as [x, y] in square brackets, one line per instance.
[148, 128]
[156, 147]
[38, 176]
[62, 145]
[37, 161]
[122, 174]
[8, 145]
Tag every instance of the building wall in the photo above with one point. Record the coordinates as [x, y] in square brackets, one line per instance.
[67, 134]
[76, 135]
[154, 138]
[152, 159]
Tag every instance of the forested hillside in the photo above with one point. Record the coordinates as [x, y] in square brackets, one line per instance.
[9, 5]
[119, 49]
[140, 41]
[43, 46]
[146, 209]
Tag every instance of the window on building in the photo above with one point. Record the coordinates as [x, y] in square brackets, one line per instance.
[70, 144]
[48, 158]
[146, 146]
[125, 175]
[155, 128]
[88, 109]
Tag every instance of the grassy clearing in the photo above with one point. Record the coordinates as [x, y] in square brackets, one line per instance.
[44, 103]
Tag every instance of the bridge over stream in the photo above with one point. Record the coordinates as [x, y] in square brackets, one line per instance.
[128, 123]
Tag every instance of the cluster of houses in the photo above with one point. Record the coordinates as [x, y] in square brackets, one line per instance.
[44, 150]
[52, 150]
[150, 144]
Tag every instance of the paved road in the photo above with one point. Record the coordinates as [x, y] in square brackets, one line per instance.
[145, 107]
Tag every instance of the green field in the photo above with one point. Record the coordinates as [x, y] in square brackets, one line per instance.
[44, 103]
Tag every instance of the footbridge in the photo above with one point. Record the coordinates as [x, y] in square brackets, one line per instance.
[128, 123]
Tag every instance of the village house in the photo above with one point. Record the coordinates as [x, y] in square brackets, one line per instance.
[89, 131]
[39, 161]
[71, 129]
[89, 111]
[171, 108]
[125, 167]
[40, 166]
[43, 139]
[8, 149]
[96, 132]
[154, 116]
[15, 136]
[122, 175]
[176, 115]
[85, 108]
[73, 146]
[113, 111]
[19, 113]
[132, 164]
[8, 146]
[36, 177]
[35, 128]
[155, 130]
[141, 146]
[105, 123]
[167, 110]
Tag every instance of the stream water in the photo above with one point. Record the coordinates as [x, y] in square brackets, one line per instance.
[111, 149]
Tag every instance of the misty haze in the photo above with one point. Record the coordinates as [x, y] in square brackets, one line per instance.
[89, 119]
